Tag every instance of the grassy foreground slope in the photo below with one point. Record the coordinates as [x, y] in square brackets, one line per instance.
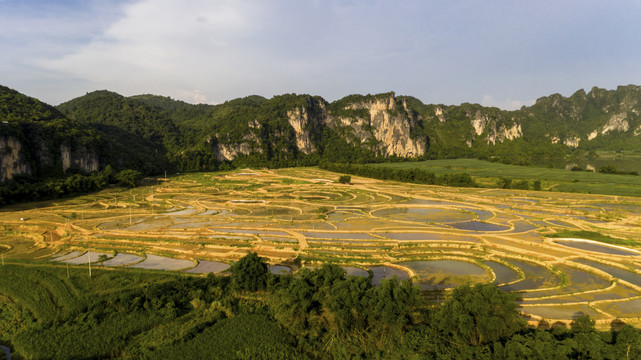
[489, 174]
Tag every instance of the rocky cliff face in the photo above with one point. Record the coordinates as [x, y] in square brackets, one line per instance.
[492, 131]
[80, 158]
[306, 120]
[12, 161]
[389, 126]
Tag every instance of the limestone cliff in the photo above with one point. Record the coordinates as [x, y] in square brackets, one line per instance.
[16, 159]
[388, 126]
[81, 159]
[306, 120]
[492, 130]
[13, 162]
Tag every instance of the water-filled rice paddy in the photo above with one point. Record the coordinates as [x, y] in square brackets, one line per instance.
[444, 236]
[355, 271]
[205, 267]
[442, 274]
[479, 226]
[122, 259]
[155, 262]
[423, 214]
[563, 311]
[338, 235]
[593, 246]
[385, 272]
[504, 274]
[89, 256]
[68, 256]
[536, 277]
[623, 309]
[629, 276]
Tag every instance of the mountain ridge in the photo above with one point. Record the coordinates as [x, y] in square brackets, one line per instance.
[153, 133]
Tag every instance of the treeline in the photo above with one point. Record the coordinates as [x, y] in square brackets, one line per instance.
[417, 176]
[314, 314]
[28, 189]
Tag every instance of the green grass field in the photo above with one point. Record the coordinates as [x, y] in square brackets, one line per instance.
[488, 173]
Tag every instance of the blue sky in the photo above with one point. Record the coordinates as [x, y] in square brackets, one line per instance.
[496, 53]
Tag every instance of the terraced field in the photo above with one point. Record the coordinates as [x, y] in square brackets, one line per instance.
[441, 237]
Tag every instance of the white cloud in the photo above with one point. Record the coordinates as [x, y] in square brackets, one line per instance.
[505, 104]
[163, 46]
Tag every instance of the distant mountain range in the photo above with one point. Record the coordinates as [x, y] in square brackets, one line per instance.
[153, 133]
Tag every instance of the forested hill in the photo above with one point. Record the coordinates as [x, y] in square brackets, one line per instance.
[152, 133]
[36, 140]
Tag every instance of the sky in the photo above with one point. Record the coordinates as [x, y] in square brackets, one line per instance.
[504, 53]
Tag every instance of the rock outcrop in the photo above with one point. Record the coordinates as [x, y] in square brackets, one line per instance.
[306, 120]
[13, 162]
[80, 159]
[389, 126]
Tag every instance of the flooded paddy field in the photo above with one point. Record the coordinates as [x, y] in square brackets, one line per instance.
[206, 267]
[156, 262]
[440, 237]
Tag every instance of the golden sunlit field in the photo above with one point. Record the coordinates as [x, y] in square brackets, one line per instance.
[441, 237]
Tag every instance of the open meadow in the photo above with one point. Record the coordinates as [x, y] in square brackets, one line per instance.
[441, 237]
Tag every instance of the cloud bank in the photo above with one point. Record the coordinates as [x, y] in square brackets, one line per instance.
[214, 50]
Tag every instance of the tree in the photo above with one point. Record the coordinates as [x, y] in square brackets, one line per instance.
[128, 178]
[628, 343]
[250, 273]
[345, 179]
[479, 314]
[589, 344]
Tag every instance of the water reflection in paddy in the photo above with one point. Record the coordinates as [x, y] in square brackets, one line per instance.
[163, 263]
[622, 274]
[205, 267]
[442, 274]
[87, 257]
[478, 226]
[427, 237]
[355, 271]
[504, 274]
[536, 277]
[590, 246]
[122, 259]
[423, 214]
